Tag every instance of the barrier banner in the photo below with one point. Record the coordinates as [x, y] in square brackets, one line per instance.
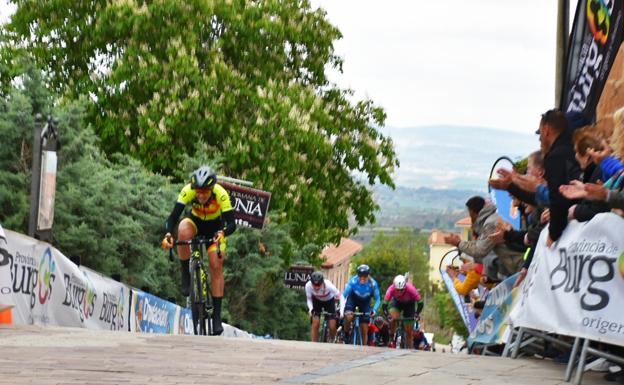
[463, 308]
[594, 43]
[150, 314]
[501, 198]
[576, 288]
[492, 325]
[112, 302]
[6, 289]
[185, 321]
[48, 289]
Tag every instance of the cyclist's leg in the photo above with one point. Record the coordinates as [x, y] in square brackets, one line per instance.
[348, 315]
[394, 314]
[409, 311]
[215, 262]
[330, 308]
[186, 231]
[365, 319]
[317, 308]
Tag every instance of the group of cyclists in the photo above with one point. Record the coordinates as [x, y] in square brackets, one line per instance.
[212, 215]
[401, 305]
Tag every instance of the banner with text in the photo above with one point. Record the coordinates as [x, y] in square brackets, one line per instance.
[250, 205]
[464, 309]
[150, 314]
[594, 43]
[48, 289]
[6, 291]
[492, 325]
[576, 288]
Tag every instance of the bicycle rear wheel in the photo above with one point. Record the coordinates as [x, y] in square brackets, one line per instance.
[198, 302]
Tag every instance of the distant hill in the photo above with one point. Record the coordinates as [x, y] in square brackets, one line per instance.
[454, 157]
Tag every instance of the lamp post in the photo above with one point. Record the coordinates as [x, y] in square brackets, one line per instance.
[43, 179]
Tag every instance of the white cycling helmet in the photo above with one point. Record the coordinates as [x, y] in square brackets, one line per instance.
[399, 282]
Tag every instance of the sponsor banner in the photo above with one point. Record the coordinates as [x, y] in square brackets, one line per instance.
[576, 287]
[112, 302]
[150, 314]
[596, 37]
[250, 205]
[48, 289]
[500, 198]
[184, 321]
[492, 326]
[463, 308]
[6, 288]
[297, 276]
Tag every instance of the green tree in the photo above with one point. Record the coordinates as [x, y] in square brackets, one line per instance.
[109, 212]
[389, 255]
[242, 79]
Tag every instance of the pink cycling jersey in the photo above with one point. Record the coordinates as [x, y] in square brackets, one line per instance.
[410, 294]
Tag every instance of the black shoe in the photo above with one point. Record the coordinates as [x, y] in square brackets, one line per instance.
[186, 278]
[217, 328]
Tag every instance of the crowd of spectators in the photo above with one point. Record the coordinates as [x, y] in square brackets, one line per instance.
[577, 173]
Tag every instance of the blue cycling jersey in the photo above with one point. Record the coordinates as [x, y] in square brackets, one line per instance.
[363, 290]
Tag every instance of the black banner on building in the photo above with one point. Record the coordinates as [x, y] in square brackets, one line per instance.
[595, 40]
[250, 205]
[297, 276]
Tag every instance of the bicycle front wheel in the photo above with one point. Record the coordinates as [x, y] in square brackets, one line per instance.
[198, 308]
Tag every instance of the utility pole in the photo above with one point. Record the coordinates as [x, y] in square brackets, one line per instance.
[563, 32]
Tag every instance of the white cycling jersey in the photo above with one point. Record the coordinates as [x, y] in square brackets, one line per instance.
[325, 292]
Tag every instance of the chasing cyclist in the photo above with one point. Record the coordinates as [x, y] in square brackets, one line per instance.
[321, 296]
[211, 215]
[358, 293]
[404, 300]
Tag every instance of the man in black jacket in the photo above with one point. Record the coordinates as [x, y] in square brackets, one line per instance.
[560, 167]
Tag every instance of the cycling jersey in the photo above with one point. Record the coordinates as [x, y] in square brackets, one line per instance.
[410, 294]
[324, 293]
[361, 291]
[214, 215]
[218, 203]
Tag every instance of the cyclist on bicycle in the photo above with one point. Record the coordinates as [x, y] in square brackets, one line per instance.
[405, 301]
[358, 293]
[321, 296]
[378, 332]
[211, 215]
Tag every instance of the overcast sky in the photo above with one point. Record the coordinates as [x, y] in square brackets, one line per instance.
[487, 63]
[484, 63]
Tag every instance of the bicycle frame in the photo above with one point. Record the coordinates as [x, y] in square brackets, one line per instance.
[356, 330]
[400, 337]
[199, 298]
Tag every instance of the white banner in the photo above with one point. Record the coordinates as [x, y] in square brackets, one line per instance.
[6, 292]
[576, 288]
[48, 289]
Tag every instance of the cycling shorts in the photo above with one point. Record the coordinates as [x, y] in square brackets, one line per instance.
[363, 304]
[406, 309]
[329, 306]
[207, 229]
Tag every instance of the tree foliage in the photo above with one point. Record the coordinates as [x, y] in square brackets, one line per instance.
[242, 79]
[404, 252]
[110, 212]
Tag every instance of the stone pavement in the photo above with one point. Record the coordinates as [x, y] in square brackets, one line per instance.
[35, 355]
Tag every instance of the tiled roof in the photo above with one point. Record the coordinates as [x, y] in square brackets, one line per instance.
[464, 222]
[335, 254]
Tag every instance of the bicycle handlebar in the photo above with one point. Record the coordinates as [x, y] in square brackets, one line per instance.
[196, 241]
